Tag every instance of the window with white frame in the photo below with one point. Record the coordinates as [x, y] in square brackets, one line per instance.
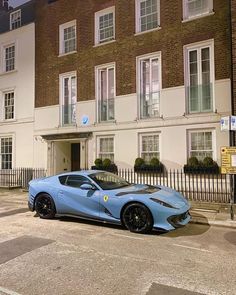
[9, 55]
[15, 19]
[200, 78]
[106, 93]
[9, 105]
[149, 146]
[105, 25]
[196, 8]
[149, 80]
[106, 148]
[147, 15]
[201, 144]
[6, 152]
[68, 39]
[68, 90]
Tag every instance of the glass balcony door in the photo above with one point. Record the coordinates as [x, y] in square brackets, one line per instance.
[149, 88]
[199, 80]
[106, 94]
[68, 107]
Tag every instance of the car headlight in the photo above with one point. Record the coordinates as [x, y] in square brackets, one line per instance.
[162, 203]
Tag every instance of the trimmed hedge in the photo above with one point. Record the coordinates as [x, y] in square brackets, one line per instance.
[155, 166]
[105, 165]
[207, 166]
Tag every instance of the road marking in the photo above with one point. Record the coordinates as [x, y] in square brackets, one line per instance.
[9, 292]
[120, 235]
[192, 248]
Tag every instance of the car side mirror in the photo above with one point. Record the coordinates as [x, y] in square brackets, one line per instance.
[87, 187]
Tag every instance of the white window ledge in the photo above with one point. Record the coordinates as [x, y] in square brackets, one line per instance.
[68, 53]
[148, 31]
[197, 17]
[8, 73]
[105, 123]
[104, 43]
[201, 114]
[150, 119]
[8, 121]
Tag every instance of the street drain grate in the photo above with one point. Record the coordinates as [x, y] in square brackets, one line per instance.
[19, 246]
[14, 212]
[158, 289]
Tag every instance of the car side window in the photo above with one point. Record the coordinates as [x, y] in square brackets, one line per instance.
[76, 181]
[63, 179]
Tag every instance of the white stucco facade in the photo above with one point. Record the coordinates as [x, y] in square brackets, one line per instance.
[20, 83]
[173, 127]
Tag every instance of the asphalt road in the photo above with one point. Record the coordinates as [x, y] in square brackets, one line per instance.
[70, 256]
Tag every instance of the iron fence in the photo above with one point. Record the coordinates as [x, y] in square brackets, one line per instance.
[19, 177]
[195, 187]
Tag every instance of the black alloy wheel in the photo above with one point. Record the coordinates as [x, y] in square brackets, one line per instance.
[137, 218]
[45, 207]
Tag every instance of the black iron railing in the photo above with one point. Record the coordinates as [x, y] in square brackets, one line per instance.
[19, 177]
[196, 187]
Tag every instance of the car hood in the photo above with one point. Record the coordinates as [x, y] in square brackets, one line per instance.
[161, 193]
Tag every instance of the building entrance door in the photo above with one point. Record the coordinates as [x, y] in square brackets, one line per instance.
[75, 156]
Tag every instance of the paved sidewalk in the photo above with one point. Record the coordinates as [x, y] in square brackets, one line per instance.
[213, 214]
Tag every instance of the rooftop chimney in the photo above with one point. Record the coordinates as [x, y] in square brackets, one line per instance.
[4, 5]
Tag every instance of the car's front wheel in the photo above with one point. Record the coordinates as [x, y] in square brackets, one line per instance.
[137, 218]
[45, 207]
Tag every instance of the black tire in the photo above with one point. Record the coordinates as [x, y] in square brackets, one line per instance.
[45, 207]
[137, 218]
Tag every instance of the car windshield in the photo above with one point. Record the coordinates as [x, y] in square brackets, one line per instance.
[108, 181]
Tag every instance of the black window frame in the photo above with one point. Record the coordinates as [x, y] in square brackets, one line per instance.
[64, 179]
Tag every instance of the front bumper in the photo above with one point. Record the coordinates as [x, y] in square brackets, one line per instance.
[169, 219]
[179, 220]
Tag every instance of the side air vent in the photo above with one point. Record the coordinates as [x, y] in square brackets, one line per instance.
[107, 212]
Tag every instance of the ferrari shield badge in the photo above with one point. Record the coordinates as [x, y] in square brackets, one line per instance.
[105, 198]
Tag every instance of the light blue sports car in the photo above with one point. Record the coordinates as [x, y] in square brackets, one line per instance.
[105, 197]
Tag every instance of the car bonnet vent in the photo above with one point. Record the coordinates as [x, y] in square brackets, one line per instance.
[149, 189]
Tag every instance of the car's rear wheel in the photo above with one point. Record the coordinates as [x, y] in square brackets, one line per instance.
[137, 218]
[45, 207]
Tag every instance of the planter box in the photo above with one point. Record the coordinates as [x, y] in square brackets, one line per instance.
[149, 169]
[201, 170]
[112, 168]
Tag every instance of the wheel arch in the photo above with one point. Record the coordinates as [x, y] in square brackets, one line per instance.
[133, 202]
[44, 193]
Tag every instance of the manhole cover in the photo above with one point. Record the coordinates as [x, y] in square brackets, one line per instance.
[231, 237]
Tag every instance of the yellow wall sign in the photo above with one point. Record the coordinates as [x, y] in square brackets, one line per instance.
[228, 160]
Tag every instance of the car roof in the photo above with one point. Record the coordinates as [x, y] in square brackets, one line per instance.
[81, 172]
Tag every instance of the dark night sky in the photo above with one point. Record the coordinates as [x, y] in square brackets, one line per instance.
[15, 3]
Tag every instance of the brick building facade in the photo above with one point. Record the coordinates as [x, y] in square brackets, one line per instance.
[182, 46]
[233, 31]
[170, 39]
